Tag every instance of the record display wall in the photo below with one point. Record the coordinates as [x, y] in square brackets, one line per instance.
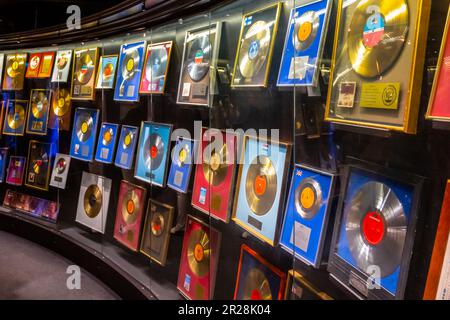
[242, 65]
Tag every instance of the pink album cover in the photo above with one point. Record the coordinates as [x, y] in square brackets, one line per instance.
[214, 177]
[130, 208]
[199, 257]
[15, 170]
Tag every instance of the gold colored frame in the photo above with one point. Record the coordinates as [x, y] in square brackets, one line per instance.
[278, 5]
[283, 186]
[412, 103]
[294, 275]
[165, 71]
[171, 211]
[2, 116]
[47, 178]
[445, 39]
[74, 60]
[49, 95]
[99, 69]
[25, 102]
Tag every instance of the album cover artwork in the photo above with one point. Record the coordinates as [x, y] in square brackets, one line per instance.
[61, 69]
[214, 174]
[46, 66]
[15, 117]
[106, 144]
[83, 73]
[307, 214]
[93, 201]
[130, 208]
[261, 187]
[257, 279]
[199, 258]
[16, 170]
[156, 67]
[107, 72]
[38, 114]
[39, 162]
[304, 44]
[153, 153]
[200, 55]
[156, 233]
[126, 147]
[14, 75]
[34, 64]
[84, 134]
[181, 165]
[377, 215]
[131, 61]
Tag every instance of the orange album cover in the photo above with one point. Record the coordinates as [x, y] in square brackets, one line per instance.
[439, 250]
[46, 67]
[33, 65]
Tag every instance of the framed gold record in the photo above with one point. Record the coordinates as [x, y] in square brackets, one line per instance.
[380, 47]
[14, 74]
[84, 70]
[39, 165]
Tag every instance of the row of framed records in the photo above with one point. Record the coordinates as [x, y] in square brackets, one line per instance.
[374, 82]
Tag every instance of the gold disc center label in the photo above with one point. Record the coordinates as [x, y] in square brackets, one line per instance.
[127, 139]
[84, 127]
[130, 64]
[305, 31]
[199, 252]
[307, 198]
[130, 207]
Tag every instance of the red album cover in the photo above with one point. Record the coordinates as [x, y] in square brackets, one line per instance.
[46, 67]
[214, 174]
[34, 65]
[129, 214]
[199, 257]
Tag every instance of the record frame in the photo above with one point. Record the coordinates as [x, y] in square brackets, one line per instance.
[171, 210]
[66, 70]
[139, 45]
[6, 85]
[281, 191]
[43, 131]
[413, 88]
[3, 163]
[148, 52]
[62, 177]
[91, 83]
[348, 276]
[294, 277]
[265, 82]
[324, 210]
[161, 179]
[115, 59]
[112, 149]
[46, 55]
[23, 162]
[61, 123]
[173, 170]
[254, 255]
[319, 54]
[436, 81]
[33, 73]
[20, 132]
[216, 27]
[119, 151]
[2, 62]
[49, 149]
[439, 266]
[90, 143]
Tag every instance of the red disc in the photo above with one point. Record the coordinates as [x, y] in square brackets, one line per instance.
[260, 185]
[373, 228]
[256, 295]
[153, 152]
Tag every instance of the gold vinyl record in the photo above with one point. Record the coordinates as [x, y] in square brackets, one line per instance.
[256, 286]
[39, 104]
[16, 118]
[376, 227]
[215, 168]
[15, 67]
[377, 35]
[92, 201]
[61, 102]
[157, 224]
[84, 126]
[261, 185]
[198, 252]
[305, 31]
[130, 207]
[85, 70]
[308, 198]
[130, 64]
[254, 49]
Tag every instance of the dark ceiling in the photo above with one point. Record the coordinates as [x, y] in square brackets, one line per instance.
[24, 15]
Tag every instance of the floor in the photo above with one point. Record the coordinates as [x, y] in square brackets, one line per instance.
[29, 271]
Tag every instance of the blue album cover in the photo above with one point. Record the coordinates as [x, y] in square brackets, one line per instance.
[129, 71]
[304, 44]
[106, 144]
[306, 214]
[181, 166]
[82, 146]
[3, 159]
[373, 230]
[260, 185]
[153, 153]
[39, 111]
[126, 147]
